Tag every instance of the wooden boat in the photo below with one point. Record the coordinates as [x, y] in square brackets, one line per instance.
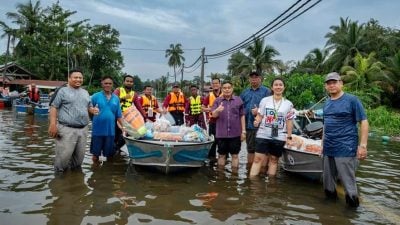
[167, 156]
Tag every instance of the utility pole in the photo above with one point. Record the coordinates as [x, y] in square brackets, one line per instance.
[183, 66]
[67, 53]
[202, 70]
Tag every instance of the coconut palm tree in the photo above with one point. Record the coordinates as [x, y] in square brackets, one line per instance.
[262, 56]
[28, 18]
[344, 42]
[175, 54]
[316, 59]
[239, 64]
[367, 77]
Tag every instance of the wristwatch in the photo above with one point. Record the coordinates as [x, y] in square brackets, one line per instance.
[364, 146]
[289, 137]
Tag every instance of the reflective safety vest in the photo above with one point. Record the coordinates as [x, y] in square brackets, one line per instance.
[177, 102]
[195, 105]
[125, 103]
[34, 94]
[147, 103]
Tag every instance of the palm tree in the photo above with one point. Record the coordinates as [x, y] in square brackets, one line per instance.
[344, 43]
[316, 60]
[284, 67]
[262, 57]
[28, 17]
[367, 78]
[176, 59]
[239, 64]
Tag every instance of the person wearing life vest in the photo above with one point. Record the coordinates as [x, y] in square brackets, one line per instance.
[207, 104]
[33, 93]
[149, 103]
[127, 96]
[174, 103]
[193, 112]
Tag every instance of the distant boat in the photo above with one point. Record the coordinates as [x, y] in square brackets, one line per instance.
[30, 109]
[167, 156]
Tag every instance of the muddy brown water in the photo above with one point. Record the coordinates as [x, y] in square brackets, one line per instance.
[116, 193]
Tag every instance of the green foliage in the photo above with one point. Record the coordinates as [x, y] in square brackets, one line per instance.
[48, 43]
[367, 97]
[304, 90]
[384, 121]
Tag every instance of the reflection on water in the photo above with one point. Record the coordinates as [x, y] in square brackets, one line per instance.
[115, 193]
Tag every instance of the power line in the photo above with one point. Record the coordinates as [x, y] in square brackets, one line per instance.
[197, 60]
[263, 34]
[157, 50]
[249, 38]
[193, 69]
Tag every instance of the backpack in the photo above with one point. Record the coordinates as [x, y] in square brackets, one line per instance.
[55, 93]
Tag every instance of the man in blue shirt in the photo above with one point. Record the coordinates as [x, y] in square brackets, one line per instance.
[342, 147]
[251, 98]
[103, 125]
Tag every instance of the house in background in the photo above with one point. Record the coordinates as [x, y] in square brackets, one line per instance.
[17, 78]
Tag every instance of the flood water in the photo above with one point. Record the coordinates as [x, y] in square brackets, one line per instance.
[115, 193]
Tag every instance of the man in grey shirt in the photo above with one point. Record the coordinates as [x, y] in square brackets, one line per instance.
[69, 117]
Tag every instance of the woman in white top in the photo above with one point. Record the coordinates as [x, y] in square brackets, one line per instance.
[275, 120]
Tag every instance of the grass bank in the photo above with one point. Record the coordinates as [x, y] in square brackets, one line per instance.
[384, 121]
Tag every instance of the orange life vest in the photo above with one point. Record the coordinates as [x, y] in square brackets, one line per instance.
[34, 94]
[211, 100]
[177, 102]
[147, 103]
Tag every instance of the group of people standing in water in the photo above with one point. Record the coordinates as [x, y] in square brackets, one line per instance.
[261, 116]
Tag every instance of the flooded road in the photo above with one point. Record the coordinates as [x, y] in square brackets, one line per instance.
[115, 193]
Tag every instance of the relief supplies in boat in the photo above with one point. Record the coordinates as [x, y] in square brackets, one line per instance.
[133, 122]
[162, 130]
[304, 144]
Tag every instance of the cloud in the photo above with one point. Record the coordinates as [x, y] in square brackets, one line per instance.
[166, 20]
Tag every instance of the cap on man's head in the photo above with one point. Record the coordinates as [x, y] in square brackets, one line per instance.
[332, 76]
[175, 85]
[254, 73]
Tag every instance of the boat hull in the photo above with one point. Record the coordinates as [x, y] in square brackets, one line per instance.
[167, 156]
[30, 109]
[306, 164]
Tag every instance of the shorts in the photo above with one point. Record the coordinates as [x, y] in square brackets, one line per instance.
[103, 144]
[229, 145]
[269, 146]
[251, 140]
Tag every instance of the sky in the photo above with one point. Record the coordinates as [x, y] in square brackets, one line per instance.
[216, 25]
